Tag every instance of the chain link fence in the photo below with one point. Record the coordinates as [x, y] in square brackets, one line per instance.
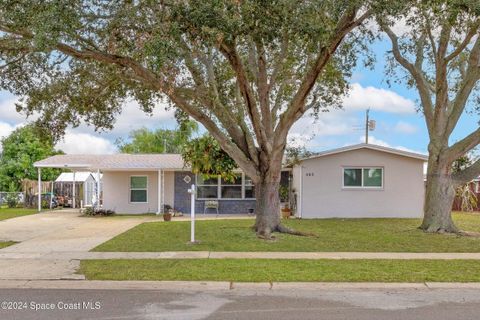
[12, 197]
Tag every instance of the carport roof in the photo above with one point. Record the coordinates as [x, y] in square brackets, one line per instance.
[114, 162]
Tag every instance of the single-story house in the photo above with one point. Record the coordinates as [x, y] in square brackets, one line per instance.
[358, 181]
[146, 183]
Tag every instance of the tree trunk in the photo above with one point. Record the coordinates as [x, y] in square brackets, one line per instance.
[267, 207]
[439, 197]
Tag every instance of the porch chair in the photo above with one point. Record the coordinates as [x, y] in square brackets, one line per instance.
[211, 204]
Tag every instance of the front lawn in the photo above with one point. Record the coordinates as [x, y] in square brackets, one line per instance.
[341, 235]
[8, 213]
[262, 270]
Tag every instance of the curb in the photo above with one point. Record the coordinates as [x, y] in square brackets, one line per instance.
[224, 286]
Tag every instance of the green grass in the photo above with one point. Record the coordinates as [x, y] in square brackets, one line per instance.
[6, 244]
[359, 235]
[262, 270]
[8, 213]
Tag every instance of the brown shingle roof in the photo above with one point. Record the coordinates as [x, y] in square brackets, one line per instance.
[114, 161]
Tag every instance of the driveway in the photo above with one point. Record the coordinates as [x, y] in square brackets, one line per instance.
[54, 232]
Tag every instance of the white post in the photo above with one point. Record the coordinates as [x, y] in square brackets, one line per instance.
[159, 181]
[39, 189]
[192, 213]
[74, 191]
[51, 197]
[98, 189]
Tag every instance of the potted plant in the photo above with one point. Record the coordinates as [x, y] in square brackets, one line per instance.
[168, 213]
[286, 211]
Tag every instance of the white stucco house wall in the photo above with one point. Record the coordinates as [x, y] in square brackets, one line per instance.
[360, 181]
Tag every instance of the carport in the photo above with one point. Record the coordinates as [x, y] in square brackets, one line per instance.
[73, 163]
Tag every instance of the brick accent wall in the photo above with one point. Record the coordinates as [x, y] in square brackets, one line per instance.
[182, 199]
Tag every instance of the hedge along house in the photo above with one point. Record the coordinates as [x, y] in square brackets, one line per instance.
[360, 181]
[140, 183]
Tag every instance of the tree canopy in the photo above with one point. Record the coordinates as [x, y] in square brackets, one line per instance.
[158, 141]
[21, 149]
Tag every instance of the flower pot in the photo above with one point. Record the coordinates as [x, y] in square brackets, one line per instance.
[286, 213]
[167, 216]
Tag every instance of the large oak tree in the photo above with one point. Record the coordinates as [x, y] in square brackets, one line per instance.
[247, 70]
[439, 49]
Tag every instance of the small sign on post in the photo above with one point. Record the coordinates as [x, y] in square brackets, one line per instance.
[192, 192]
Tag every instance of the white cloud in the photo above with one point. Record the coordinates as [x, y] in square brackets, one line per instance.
[361, 98]
[379, 142]
[82, 143]
[8, 112]
[5, 130]
[405, 127]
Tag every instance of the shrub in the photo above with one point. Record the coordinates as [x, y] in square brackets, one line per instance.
[45, 204]
[12, 200]
[90, 211]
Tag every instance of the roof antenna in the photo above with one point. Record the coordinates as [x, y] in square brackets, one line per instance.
[369, 125]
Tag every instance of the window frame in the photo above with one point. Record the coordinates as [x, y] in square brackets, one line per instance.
[141, 189]
[363, 187]
[219, 188]
[220, 185]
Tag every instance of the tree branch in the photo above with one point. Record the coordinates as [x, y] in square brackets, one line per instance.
[468, 174]
[422, 84]
[296, 107]
[463, 146]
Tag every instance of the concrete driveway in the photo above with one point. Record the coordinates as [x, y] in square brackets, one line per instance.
[54, 232]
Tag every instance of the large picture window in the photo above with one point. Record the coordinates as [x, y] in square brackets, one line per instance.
[138, 189]
[217, 188]
[366, 177]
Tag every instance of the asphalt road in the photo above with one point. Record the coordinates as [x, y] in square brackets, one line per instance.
[328, 304]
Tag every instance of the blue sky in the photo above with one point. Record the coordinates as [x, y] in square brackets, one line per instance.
[393, 108]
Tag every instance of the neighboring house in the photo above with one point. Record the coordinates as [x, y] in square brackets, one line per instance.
[146, 183]
[85, 188]
[360, 181]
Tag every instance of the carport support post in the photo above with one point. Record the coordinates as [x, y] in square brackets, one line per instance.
[39, 189]
[159, 189]
[74, 191]
[98, 189]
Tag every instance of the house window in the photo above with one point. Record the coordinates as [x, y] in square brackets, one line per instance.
[367, 177]
[207, 188]
[477, 186]
[218, 188]
[231, 189]
[249, 188]
[138, 189]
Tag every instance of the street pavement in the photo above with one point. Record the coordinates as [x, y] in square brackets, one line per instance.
[248, 303]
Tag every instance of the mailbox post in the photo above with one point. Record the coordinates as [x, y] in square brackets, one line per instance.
[192, 192]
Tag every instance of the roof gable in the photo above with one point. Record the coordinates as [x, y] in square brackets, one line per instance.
[403, 153]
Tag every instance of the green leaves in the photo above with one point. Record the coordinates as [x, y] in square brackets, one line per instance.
[205, 157]
[160, 140]
[21, 149]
